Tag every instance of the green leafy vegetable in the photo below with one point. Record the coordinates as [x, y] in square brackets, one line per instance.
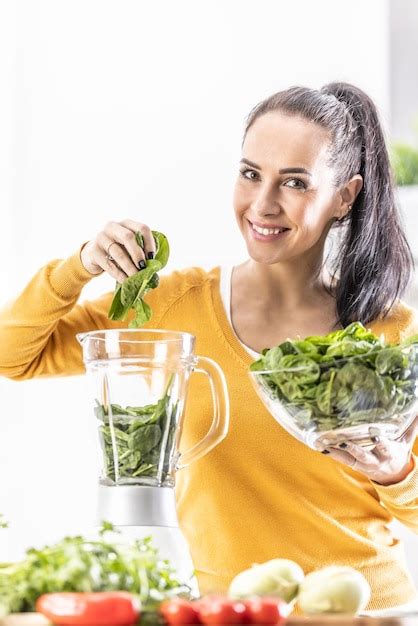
[3, 522]
[79, 564]
[342, 379]
[137, 442]
[130, 294]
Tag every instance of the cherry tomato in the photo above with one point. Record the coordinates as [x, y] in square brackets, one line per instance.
[266, 610]
[217, 609]
[179, 611]
[100, 608]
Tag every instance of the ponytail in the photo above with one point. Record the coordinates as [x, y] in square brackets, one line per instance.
[375, 262]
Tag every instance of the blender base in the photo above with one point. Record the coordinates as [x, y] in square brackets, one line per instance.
[137, 505]
[139, 511]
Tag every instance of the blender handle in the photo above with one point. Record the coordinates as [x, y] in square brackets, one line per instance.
[220, 423]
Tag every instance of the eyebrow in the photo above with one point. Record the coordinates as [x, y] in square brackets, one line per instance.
[284, 170]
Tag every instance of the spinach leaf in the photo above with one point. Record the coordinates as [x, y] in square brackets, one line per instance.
[163, 249]
[129, 294]
[135, 286]
[117, 310]
[143, 438]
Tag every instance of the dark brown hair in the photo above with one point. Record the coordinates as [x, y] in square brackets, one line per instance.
[374, 262]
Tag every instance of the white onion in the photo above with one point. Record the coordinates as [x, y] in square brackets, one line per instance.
[334, 589]
[278, 577]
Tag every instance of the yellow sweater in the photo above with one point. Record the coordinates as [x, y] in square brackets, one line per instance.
[261, 493]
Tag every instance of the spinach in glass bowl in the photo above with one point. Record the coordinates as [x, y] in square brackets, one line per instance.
[346, 385]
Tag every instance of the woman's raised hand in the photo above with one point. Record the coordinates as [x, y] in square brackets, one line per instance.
[115, 250]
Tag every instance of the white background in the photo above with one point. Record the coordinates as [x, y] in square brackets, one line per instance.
[136, 109]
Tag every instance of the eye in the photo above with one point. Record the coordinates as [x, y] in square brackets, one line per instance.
[246, 171]
[295, 183]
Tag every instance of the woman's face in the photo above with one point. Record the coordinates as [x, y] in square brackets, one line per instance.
[286, 187]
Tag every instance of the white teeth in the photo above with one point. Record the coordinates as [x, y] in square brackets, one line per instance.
[267, 231]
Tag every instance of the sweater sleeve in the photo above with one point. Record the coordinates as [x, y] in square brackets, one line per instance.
[401, 499]
[38, 329]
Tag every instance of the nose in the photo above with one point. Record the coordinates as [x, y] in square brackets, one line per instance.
[265, 203]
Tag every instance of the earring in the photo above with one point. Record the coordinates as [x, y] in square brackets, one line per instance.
[340, 219]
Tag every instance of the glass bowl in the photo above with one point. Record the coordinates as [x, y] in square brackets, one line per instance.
[343, 399]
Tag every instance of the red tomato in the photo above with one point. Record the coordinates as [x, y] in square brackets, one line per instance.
[116, 608]
[266, 610]
[216, 610]
[179, 611]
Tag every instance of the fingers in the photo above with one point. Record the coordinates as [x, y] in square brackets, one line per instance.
[361, 455]
[410, 434]
[388, 462]
[342, 457]
[131, 254]
[355, 457]
[118, 241]
[102, 260]
[383, 448]
[119, 253]
[149, 242]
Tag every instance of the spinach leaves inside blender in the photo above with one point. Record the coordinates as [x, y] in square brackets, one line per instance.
[137, 442]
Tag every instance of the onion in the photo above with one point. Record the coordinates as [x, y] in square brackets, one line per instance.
[334, 589]
[279, 577]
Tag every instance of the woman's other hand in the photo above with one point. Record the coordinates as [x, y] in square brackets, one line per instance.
[115, 250]
[388, 463]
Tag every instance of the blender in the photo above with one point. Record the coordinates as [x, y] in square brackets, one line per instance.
[139, 381]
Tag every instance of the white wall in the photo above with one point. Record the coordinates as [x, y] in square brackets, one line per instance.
[135, 109]
[403, 65]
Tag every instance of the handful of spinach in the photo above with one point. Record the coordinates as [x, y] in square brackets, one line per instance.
[79, 564]
[137, 442]
[342, 379]
[129, 294]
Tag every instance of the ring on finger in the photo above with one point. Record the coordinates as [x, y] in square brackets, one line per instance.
[374, 434]
[109, 257]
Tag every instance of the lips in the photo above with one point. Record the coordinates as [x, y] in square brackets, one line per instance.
[265, 234]
[268, 226]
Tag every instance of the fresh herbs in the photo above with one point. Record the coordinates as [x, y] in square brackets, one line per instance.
[3, 522]
[137, 442]
[79, 564]
[130, 294]
[342, 379]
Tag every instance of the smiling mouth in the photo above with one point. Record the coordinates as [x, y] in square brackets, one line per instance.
[268, 231]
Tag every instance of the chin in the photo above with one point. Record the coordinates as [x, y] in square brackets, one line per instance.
[264, 257]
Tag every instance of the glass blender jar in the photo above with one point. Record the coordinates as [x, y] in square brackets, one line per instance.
[139, 381]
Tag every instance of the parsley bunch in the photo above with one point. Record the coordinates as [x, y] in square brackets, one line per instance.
[80, 564]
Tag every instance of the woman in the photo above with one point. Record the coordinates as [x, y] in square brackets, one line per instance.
[311, 160]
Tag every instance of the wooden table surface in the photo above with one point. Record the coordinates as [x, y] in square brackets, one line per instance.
[334, 620]
[35, 619]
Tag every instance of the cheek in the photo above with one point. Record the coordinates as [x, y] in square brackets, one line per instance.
[313, 216]
[239, 199]
[309, 220]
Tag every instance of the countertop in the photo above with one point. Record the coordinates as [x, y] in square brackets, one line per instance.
[35, 619]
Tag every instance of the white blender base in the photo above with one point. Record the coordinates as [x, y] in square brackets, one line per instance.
[141, 511]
